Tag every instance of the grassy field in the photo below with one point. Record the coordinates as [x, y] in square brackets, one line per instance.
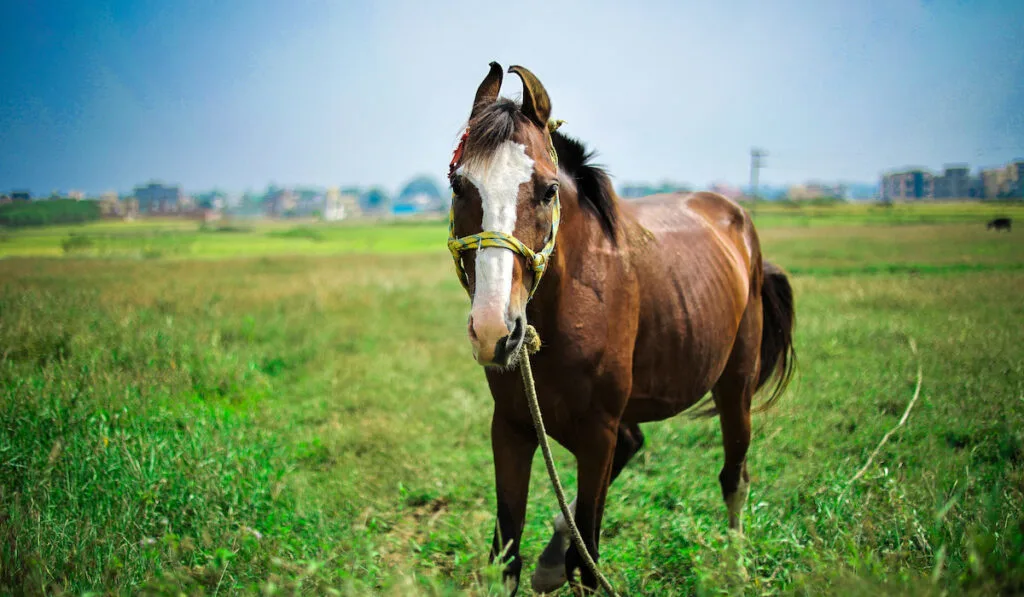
[173, 238]
[188, 239]
[293, 408]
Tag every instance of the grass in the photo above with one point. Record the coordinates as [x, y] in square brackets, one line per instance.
[313, 423]
[185, 239]
[772, 214]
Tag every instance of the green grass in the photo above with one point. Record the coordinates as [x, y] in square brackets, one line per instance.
[185, 239]
[308, 423]
[772, 214]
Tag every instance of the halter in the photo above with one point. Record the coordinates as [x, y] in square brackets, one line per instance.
[491, 238]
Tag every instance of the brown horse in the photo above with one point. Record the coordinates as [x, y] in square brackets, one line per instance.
[645, 307]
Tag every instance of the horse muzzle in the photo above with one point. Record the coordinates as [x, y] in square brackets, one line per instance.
[497, 345]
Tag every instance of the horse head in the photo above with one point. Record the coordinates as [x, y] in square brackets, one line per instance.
[505, 211]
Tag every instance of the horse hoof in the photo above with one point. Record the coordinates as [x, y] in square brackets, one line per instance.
[548, 579]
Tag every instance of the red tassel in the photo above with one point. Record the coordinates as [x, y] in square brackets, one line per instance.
[457, 155]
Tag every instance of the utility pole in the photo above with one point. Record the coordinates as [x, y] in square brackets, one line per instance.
[755, 167]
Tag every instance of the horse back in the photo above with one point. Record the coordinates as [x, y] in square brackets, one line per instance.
[706, 224]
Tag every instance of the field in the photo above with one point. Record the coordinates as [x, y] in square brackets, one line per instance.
[293, 408]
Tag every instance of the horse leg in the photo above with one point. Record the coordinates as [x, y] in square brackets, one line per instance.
[513, 449]
[550, 572]
[735, 482]
[594, 447]
[733, 394]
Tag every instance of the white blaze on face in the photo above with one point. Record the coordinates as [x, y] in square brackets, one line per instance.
[497, 182]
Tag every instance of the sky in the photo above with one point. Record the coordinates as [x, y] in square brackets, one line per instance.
[239, 94]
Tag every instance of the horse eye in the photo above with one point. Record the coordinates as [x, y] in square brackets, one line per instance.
[550, 193]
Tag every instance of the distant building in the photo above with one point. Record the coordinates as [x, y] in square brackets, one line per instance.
[956, 183]
[4, 199]
[1017, 175]
[129, 208]
[816, 190]
[992, 182]
[110, 205]
[280, 203]
[76, 195]
[1005, 182]
[156, 198]
[309, 203]
[333, 209]
[908, 185]
[339, 205]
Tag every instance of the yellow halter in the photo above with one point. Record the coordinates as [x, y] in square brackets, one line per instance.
[538, 260]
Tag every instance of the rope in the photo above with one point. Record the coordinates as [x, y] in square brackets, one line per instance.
[538, 262]
[903, 419]
[530, 346]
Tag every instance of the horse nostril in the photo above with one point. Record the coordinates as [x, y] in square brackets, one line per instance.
[518, 333]
[500, 351]
[506, 348]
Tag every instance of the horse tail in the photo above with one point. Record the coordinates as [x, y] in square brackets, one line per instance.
[778, 357]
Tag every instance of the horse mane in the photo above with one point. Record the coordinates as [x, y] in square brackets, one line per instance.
[593, 184]
[496, 123]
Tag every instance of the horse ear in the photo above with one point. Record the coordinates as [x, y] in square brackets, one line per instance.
[487, 93]
[536, 103]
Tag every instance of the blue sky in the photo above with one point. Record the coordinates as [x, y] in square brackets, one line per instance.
[238, 94]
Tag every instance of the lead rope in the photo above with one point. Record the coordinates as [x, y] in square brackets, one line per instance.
[530, 346]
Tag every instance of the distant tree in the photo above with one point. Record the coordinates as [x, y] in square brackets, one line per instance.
[375, 199]
[419, 193]
[421, 185]
[633, 191]
[669, 186]
[211, 199]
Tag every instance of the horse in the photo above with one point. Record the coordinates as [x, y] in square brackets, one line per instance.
[642, 307]
[999, 224]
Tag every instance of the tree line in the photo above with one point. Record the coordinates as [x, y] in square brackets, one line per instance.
[20, 214]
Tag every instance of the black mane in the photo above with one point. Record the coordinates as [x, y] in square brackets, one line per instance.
[593, 185]
[496, 123]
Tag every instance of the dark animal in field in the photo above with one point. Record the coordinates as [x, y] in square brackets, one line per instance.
[999, 224]
[643, 308]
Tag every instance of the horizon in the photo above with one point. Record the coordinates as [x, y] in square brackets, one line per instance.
[240, 96]
[438, 182]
